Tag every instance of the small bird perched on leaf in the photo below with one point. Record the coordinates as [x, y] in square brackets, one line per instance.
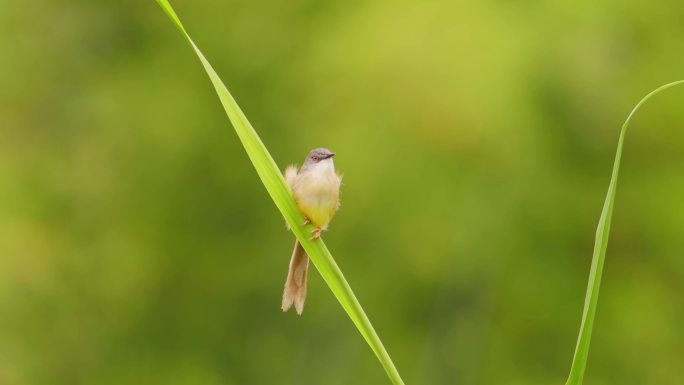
[316, 189]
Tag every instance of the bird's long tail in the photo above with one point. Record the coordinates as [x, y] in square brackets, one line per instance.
[295, 285]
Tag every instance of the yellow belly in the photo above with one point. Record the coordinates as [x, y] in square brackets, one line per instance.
[318, 198]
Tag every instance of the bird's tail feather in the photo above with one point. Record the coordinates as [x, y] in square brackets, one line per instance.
[295, 285]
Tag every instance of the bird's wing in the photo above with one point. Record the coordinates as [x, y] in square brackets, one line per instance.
[291, 175]
[339, 183]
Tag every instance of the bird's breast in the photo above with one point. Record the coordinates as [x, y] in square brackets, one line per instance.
[317, 195]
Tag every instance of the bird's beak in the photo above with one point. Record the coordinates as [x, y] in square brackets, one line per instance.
[330, 155]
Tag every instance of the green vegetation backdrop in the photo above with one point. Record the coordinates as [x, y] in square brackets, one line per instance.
[137, 244]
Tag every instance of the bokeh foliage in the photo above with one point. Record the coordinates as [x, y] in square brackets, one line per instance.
[137, 245]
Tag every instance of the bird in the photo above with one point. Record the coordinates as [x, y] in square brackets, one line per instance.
[316, 190]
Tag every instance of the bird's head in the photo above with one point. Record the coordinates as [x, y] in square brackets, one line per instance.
[318, 155]
[319, 159]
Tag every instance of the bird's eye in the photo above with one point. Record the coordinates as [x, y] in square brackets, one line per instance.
[314, 157]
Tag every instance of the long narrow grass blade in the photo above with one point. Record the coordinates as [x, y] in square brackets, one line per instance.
[275, 185]
[579, 361]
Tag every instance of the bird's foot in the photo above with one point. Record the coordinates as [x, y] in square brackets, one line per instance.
[316, 233]
[306, 221]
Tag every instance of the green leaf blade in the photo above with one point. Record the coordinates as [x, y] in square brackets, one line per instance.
[579, 361]
[274, 182]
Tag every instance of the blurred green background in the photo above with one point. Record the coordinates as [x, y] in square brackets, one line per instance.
[138, 246]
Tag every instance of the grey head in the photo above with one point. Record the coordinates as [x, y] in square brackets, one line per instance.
[318, 155]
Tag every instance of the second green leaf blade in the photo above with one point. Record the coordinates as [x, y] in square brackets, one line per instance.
[579, 360]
